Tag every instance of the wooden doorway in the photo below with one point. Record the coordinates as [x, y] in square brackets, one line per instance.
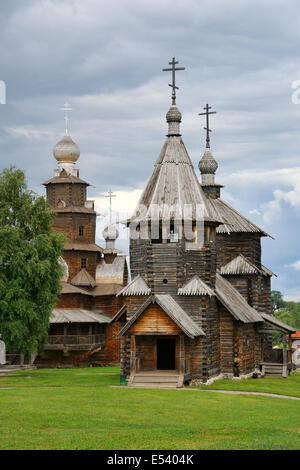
[166, 348]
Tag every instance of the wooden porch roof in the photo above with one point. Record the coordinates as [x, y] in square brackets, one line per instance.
[78, 315]
[275, 322]
[173, 310]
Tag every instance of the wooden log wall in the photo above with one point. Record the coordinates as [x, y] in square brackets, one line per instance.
[229, 246]
[73, 260]
[71, 194]
[226, 341]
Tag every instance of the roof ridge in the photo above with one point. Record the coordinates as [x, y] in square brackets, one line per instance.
[186, 290]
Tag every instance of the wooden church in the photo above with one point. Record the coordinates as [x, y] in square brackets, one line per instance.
[81, 331]
[198, 306]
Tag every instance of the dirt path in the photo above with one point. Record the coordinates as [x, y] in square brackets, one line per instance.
[229, 392]
[239, 392]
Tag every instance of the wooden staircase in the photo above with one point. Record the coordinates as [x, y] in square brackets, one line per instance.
[272, 369]
[156, 379]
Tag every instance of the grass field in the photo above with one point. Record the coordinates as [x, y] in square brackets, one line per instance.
[76, 409]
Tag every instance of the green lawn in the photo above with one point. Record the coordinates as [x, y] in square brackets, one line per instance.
[76, 409]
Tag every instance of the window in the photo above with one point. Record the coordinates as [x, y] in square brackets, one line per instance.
[83, 263]
[81, 230]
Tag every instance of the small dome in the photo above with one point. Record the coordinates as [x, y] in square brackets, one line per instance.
[207, 164]
[173, 114]
[110, 232]
[66, 151]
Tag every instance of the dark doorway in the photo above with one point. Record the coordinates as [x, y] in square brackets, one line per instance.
[166, 353]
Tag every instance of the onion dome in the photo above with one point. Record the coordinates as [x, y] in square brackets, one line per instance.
[173, 117]
[110, 232]
[66, 151]
[207, 164]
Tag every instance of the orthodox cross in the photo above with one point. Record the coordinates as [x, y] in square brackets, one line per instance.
[173, 69]
[66, 108]
[207, 129]
[110, 195]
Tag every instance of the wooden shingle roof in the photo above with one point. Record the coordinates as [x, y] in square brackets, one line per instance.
[66, 179]
[69, 289]
[277, 323]
[173, 184]
[173, 310]
[111, 288]
[77, 246]
[111, 272]
[195, 286]
[136, 287]
[234, 302]
[233, 221]
[240, 265]
[83, 278]
[78, 315]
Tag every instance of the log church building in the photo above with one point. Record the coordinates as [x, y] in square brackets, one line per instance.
[197, 303]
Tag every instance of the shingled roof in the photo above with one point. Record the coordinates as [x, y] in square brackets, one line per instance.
[66, 179]
[233, 221]
[277, 323]
[195, 286]
[240, 265]
[136, 287]
[173, 183]
[69, 289]
[78, 315]
[235, 302]
[83, 278]
[111, 272]
[173, 310]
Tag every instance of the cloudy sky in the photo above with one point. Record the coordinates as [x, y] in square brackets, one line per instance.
[105, 58]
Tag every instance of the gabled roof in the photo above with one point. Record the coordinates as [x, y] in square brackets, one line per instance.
[173, 184]
[173, 310]
[275, 322]
[83, 278]
[235, 302]
[78, 315]
[106, 289]
[69, 289]
[233, 221]
[195, 287]
[119, 314]
[111, 272]
[267, 271]
[136, 287]
[241, 265]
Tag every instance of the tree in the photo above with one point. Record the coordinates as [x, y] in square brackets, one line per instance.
[277, 300]
[29, 268]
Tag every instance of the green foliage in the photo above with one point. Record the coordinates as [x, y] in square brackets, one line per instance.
[277, 300]
[287, 312]
[29, 269]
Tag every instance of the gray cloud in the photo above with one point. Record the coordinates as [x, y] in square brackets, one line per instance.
[106, 59]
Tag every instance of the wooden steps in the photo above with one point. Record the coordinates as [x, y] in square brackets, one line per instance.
[274, 370]
[156, 379]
